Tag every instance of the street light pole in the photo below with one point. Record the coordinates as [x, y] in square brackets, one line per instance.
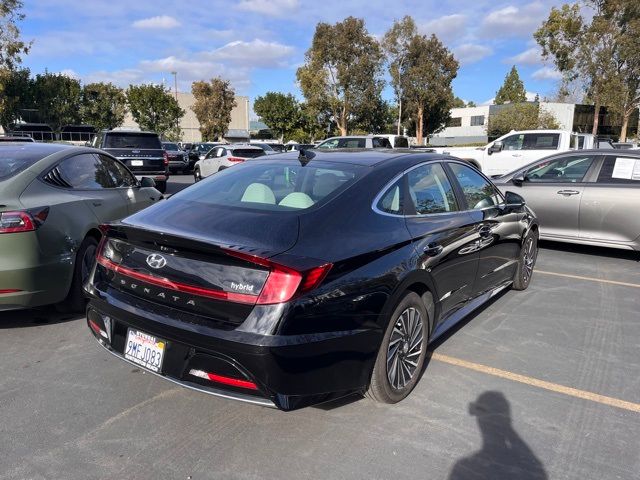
[175, 83]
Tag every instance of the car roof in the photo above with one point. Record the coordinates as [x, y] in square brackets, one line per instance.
[369, 157]
[39, 149]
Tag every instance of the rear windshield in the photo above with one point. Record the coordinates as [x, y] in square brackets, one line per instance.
[246, 152]
[170, 146]
[15, 160]
[272, 186]
[132, 140]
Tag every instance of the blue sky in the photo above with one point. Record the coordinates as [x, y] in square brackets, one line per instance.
[258, 44]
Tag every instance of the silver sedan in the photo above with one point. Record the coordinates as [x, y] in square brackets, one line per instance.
[589, 197]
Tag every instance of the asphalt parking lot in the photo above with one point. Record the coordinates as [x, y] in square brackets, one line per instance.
[539, 384]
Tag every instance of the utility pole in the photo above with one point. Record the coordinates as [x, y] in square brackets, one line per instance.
[175, 83]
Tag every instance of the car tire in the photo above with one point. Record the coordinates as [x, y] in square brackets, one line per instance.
[197, 176]
[526, 262]
[161, 186]
[402, 353]
[75, 301]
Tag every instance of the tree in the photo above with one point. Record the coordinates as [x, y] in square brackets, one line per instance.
[280, 112]
[12, 47]
[341, 74]
[471, 104]
[103, 105]
[17, 91]
[512, 90]
[154, 108]
[428, 72]
[520, 116]
[598, 50]
[57, 98]
[458, 103]
[396, 46]
[213, 105]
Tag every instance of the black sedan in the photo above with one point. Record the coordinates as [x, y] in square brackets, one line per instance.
[298, 279]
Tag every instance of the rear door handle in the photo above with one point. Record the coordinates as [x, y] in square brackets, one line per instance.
[433, 249]
[516, 155]
[568, 193]
[97, 204]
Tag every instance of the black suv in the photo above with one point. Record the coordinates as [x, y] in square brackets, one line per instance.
[142, 152]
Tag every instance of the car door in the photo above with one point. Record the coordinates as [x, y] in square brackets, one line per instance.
[209, 163]
[136, 197]
[443, 235]
[553, 188]
[497, 229]
[507, 159]
[607, 204]
[89, 180]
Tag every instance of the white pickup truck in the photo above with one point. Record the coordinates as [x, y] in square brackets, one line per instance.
[519, 148]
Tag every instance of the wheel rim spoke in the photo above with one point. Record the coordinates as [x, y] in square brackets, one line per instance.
[405, 348]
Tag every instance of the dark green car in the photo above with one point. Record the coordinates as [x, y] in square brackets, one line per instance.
[52, 200]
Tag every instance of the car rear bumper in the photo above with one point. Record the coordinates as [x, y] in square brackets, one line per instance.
[289, 372]
[27, 279]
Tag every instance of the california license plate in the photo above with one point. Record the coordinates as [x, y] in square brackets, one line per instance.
[144, 350]
[137, 163]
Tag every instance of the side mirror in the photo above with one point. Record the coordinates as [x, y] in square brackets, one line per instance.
[147, 182]
[496, 147]
[518, 179]
[513, 201]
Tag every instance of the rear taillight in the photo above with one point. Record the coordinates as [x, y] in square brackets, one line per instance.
[23, 221]
[165, 158]
[235, 159]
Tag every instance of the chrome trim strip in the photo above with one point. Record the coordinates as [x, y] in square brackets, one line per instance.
[211, 391]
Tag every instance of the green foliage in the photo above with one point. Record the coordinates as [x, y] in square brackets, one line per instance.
[280, 112]
[12, 47]
[57, 99]
[427, 75]
[512, 90]
[103, 105]
[17, 90]
[154, 108]
[213, 105]
[458, 103]
[520, 116]
[341, 74]
[471, 104]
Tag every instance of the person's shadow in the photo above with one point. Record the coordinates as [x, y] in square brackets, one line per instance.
[504, 455]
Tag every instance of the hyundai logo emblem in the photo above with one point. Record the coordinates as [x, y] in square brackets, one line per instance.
[155, 260]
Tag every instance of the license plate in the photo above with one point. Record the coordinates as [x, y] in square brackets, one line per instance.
[144, 350]
[137, 163]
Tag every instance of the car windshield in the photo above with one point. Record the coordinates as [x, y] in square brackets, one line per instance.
[132, 140]
[272, 186]
[170, 147]
[15, 160]
[205, 147]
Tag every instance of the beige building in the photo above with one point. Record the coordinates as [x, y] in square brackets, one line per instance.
[238, 129]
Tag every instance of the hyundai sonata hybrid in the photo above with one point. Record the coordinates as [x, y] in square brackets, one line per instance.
[301, 278]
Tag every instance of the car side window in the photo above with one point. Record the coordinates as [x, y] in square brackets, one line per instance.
[478, 192]
[541, 141]
[85, 172]
[391, 200]
[221, 152]
[620, 170]
[329, 144]
[513, 142]
[380, 142]
[571, 169]
[120, 175]
[430, 190]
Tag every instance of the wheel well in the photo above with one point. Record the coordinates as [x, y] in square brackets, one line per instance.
[95, 233]
[428, 299]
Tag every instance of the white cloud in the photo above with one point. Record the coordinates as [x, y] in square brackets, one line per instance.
[531, 56]
[67, 72]
[256, 53]
[546, 73]
[275, 8]
[513, 21]
[446, 28]
[471, 52]
[161, 22]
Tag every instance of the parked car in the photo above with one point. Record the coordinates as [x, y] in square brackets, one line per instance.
[519, 148]
[355, 141]
[178, 160]
[292, 280]
[141, 152]
[198, 152]
[265, 146]
[53, 197]
[585, 197]
[396, 141]
[224, 156]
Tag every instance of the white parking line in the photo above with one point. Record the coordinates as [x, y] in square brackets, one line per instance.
[589, 279]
